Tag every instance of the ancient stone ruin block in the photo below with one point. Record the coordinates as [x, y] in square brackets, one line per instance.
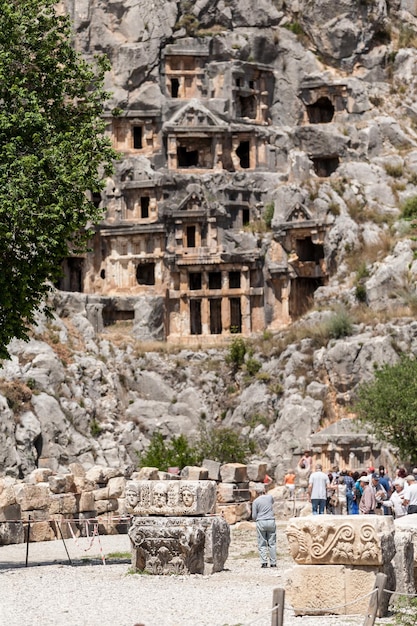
[234, 473]
[329, 589]
[178, 545]
[213, 468]
[183, 497]
[256, 471]
[337, 539]
[62, 503]
[61, 484]
[32, 496]
[234, 513]
[338, 558]
[11, 532]
[194, 473]
[407, 526]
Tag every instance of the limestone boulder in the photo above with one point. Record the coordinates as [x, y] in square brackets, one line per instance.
[234, 473]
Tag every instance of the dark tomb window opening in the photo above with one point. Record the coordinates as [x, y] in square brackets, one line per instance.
[75, 268]
[187, 158]
[175, 87]
[321, 112]
[238, 82]
[234, 280]
[144, 206]
[245, 217]
[137, 137]
[103, 274]
[96, 199]
[214, 280]
[190, 235]
[215, 316]
[256, 278]
[325, 166]
[308, 251]
[145, 274]
[235, 315]
[243, 152]
[194, 280]
[195, 317]
[247, 107]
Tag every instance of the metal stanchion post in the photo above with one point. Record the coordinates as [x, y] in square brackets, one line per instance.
[27, 542]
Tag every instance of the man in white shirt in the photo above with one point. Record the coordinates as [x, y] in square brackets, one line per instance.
[410, 494]
[317, 490]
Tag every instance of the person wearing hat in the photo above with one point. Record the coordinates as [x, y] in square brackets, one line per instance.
[367, 504]
[396, 501]
[410, 494]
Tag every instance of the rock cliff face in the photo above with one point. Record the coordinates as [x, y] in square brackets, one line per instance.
[329, 144]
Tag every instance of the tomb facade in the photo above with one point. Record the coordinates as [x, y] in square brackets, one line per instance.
[185, 234]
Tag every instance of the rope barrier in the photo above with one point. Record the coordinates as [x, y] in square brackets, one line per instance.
[123, 519]
[400, 593]
[95, 532]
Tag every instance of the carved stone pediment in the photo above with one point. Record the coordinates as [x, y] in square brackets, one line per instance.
[165, 497]
[337, 539]
[298, 213]
[194, 115]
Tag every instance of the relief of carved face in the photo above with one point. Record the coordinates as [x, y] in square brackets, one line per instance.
[132, 497]
[293, 545]
[187, 497]
[160, 495]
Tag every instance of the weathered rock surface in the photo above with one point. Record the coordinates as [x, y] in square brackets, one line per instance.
[76, 393]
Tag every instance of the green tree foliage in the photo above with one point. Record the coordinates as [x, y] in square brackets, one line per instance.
[389, 405]
[223, 445]
[52, 147]
[219, 444]
[237, 351]
[163, 454]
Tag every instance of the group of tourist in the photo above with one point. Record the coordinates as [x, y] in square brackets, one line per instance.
[367, 492]
[338, 492]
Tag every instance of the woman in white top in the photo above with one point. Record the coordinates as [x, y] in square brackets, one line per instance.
[396, 499]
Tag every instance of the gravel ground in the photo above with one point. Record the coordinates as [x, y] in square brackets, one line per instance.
[51, 592]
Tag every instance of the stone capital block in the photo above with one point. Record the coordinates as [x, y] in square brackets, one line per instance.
[343, 540]
[179, 545]
[234, 473]
[181, 497]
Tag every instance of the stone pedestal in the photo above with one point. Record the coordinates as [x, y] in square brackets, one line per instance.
[179, 545]
[405, 561]
[338, 558]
